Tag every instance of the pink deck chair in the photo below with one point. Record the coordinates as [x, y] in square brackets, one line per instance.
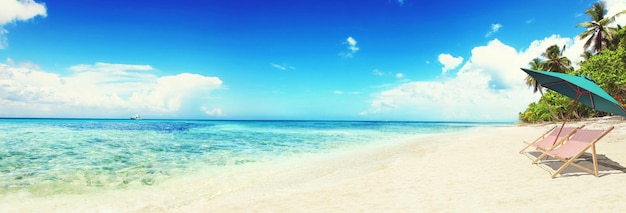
[568, 152]
[550, 141]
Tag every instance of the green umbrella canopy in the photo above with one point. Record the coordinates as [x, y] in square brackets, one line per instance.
[579, 88]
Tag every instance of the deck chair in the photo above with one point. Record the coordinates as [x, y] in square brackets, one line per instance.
[549, 140]
[568, 152]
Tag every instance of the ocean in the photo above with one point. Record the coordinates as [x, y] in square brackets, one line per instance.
[45, 157]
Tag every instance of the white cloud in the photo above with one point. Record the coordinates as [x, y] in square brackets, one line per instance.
[352, 48]
[449, 62]
[17, 10]
[382, 73]
[494, 29]
[212, 112]
[109, 68]
[20, 10]
[340, 92]
[573, 48]
[283, 67]
[99, 90]
[488, 87]
[613, 7]
[351, 42]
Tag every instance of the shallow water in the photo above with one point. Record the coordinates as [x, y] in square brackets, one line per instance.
[66, 156]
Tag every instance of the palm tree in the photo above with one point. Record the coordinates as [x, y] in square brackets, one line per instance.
[598, 30]
[586, 55]
[619, 38]
[536, 64]
[555, 61]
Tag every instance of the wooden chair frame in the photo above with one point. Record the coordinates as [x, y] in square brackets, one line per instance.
[559, 141]
[569, 160]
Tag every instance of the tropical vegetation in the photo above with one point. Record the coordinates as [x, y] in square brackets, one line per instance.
[604, 62]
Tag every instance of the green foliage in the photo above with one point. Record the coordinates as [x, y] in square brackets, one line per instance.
[598, 34]
[560, 104]
[619, 39]
[538, 112]
[535, 113]
[607, 68]
[555, 61]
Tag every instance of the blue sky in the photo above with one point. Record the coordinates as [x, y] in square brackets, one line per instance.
[279, 59]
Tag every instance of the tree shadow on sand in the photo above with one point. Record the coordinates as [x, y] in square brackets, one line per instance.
[606, 166]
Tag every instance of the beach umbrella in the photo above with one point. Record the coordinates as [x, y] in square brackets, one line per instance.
[578, 88]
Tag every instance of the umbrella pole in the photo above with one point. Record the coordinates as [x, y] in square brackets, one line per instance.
[571, 108]
[563, 125]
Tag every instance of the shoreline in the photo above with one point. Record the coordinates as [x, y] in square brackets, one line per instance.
[477, 169]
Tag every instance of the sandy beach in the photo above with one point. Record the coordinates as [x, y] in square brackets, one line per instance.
[475, 170]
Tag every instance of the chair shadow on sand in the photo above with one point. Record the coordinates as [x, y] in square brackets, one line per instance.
[606, 166]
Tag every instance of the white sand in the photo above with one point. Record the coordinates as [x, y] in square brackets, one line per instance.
[478, 170]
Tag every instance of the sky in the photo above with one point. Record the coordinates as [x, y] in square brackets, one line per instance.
[407, 60]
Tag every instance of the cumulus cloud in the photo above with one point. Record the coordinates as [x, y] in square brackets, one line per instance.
[573, 48]
[494, 29]
[488, 87]
[212, 112]
[614, 7]
[17, 10]
[399, 75]
[100, 90]
[352, 48]
[449, 62]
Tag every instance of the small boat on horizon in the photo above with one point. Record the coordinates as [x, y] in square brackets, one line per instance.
[135, 117]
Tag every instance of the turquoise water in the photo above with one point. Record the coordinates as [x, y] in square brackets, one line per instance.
[67, 156]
